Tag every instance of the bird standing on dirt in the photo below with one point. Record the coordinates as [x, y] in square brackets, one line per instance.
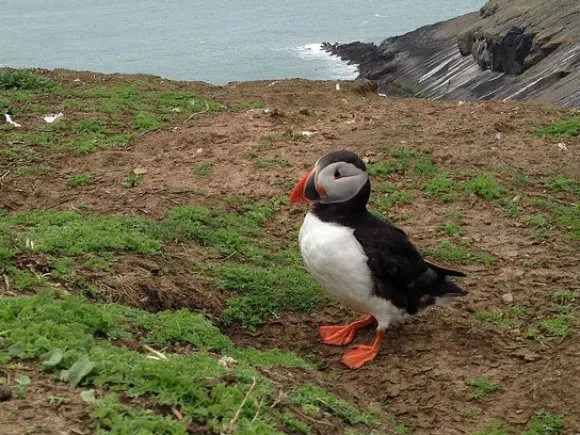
[364, 262]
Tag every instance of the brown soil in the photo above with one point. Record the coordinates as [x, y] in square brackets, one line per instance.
[424, 363]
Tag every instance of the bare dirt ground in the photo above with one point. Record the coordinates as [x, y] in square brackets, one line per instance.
[422, 369]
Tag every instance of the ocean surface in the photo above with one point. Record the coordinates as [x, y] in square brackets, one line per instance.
[214, 41]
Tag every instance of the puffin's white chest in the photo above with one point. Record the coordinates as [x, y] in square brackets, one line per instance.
[337, 260]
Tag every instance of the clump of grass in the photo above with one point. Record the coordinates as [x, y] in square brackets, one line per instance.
[314, 400]
[394, 198]
[556, 326]
[505, 319]
[563, 297]
[266, 142]
[544, 423]
[22, 80]
[569, 127]
[202, 168]
[452, 253]
[146, 121]
[482, 387]
[441, 184]
[495, 429]
[451, 229]
[563, 184]
[132, 180]
[265, 162]
[80, 180]
[89, 125]
[425, 166]
[266, 291]
[484, 186]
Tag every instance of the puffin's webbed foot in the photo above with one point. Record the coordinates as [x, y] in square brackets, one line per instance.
[362, 353]
[343, 335]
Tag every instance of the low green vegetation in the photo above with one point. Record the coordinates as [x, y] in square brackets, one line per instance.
[496, 428]
[451, 229]
[442, 186]
[482, 387]
[265, 162]
[132, 180]
[484, 186]
[80, 180]
[544, 423]
[22, 80]
[202, 168]
[218, 385]
[569, 127]
[452, 253]
[505, 319]
[563, 184]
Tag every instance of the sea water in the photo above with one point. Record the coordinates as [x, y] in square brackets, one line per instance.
[210, 40]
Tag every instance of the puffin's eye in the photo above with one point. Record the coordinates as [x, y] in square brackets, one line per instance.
[337, 175]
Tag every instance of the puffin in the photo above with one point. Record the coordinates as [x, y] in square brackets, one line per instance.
[365, 262]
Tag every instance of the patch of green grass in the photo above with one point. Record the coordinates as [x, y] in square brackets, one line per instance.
[556, 326]
[237, 235]
[22, 79]
[202, 168]
[266, 162]
[58, 232]
[563, 297]
[539, 226]
[569, 127]
[439, 185]
[217, 386]
[250, 105]
[385, 187]
[495, 429]
[314, 400]
[521, 180]
[505, 319]
[482, 387]
[485, 186]
[80, 180]
[451, 229]
[451, 253]
[132, 180]
[266, 291]
[544, 423]
[266, 142]
[425, 166]
[89, 125]
[563, 184]
[31, 170]
[147, 121]
[394, 198]
[512, 208]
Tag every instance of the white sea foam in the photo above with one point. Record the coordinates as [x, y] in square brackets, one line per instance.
[333, 66]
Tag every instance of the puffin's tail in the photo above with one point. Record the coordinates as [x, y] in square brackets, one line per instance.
[446, 286]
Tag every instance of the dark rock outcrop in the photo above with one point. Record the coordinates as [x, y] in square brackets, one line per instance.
[510, 49]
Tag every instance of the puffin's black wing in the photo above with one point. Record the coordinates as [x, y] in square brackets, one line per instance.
[400, 273]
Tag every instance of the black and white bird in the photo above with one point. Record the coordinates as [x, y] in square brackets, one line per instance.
[364, 262]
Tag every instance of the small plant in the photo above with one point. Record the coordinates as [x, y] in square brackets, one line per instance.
[484, 186]
[451, 229]
[132, 180]
[89, 125]
[80, 180]
[556, 326]
[544, 423]
[563, 297]
[563, 184]
[439, 185]
[265, 162]
[146, 121]
[21, 388]
[504, 319]
[202, 168]
[482, 387]
[425, 166]
[495, 429]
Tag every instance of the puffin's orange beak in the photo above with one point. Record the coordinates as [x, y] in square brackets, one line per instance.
[305, 190]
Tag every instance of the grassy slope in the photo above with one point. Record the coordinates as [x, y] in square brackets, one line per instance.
[186, 372]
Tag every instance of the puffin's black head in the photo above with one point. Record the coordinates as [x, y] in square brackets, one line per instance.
[337, 177]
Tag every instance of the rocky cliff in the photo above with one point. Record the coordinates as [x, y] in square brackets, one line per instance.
[509, 49]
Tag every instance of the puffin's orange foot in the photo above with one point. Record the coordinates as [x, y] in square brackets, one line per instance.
[358, 356]
[362, 353]
[342, 335]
